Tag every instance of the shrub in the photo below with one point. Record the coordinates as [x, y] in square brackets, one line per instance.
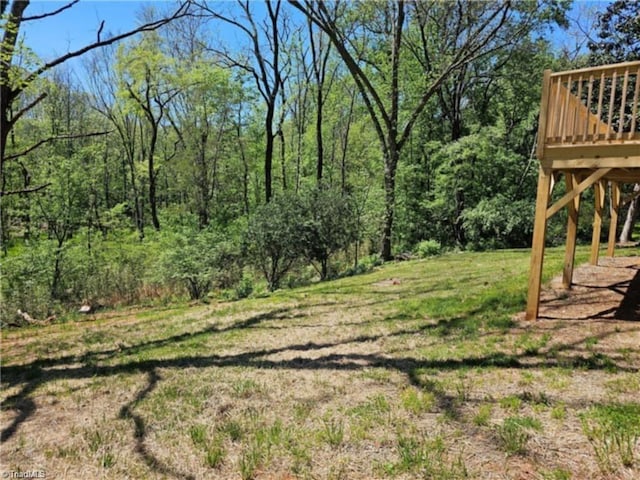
[428, 248]
[199, 260]
[273, 238]
[327, 226]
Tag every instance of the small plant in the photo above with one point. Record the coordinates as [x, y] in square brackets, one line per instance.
[333, 431]
[214, 454]
[511, 402]
[107, 460]
[245, 388]
[483, 416]
[531, 345]
[416, 401]
[556, 474]
[590, 342]
[613, 431]
[198, 434]
[514, 433]
[214, 451]
[233, 429]
[427, 456]
[250, 460]
[559, 411]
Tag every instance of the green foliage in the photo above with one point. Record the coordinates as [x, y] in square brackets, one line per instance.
[273, 237]
[499, 222]
[478, 191]
[428, 248]
[327, 226]
[429, 457]
[514, 433]
[199, 260]
[614, 432]
[26, 273]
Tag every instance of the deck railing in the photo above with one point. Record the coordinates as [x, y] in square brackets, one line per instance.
[592, 106]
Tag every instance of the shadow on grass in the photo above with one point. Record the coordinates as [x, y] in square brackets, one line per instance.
[32, 375]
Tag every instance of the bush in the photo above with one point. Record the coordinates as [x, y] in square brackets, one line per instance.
[428, 248]
[200, 260]
[327, 227]
[499, 222]
[26, 274]
[273, 238]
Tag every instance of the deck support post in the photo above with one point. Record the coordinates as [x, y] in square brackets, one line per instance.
[599, 190]
[537, 244]
[613, 224]
[573, 208]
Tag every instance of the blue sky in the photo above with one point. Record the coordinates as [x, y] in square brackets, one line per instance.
[77, 26]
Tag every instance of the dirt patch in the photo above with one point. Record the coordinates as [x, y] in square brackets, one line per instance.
[608, 291]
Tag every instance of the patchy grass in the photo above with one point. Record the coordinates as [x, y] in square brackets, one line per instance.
[415, 370]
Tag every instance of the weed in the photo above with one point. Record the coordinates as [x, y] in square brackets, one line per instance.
[590, 342]
[416, 401]
[232, 429]
[107, 460]
[250, 461]
[511, 402]
[526, 378]
[427, 456]
[613, 431]
[332, 431]
[531, 345]
[245, 388]
[483, 415]
[514, 433]
[556, 474]
[559, 411]
[214, 454]
[198, 434]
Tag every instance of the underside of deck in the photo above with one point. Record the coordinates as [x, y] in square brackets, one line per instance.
[589, 133]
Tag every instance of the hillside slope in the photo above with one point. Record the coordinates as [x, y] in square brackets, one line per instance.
[419, 369]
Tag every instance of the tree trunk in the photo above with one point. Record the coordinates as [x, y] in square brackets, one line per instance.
[389, 200]
[632, 214]
[153, 202]
[268, 153]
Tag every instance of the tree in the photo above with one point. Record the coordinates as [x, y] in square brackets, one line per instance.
[143, 70]
[618, 40]
[268, 68]
[376, 39]
[15, 79]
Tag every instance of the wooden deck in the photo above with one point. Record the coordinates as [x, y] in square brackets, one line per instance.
[589, 132]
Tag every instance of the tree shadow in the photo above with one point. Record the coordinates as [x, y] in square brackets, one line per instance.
[39, 372]
[629, 308]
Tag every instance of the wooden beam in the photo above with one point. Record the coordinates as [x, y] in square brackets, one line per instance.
[537, 244]
[599, 190]
[544, 114]
[572, 231]
[590, 180]
[613, 224]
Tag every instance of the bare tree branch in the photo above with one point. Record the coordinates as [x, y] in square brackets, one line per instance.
[50, 14]
[51, 139]
[25, 190]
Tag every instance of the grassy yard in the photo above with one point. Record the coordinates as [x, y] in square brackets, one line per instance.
[415, 370]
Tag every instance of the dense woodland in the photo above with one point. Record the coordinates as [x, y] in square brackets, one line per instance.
[225, 149]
